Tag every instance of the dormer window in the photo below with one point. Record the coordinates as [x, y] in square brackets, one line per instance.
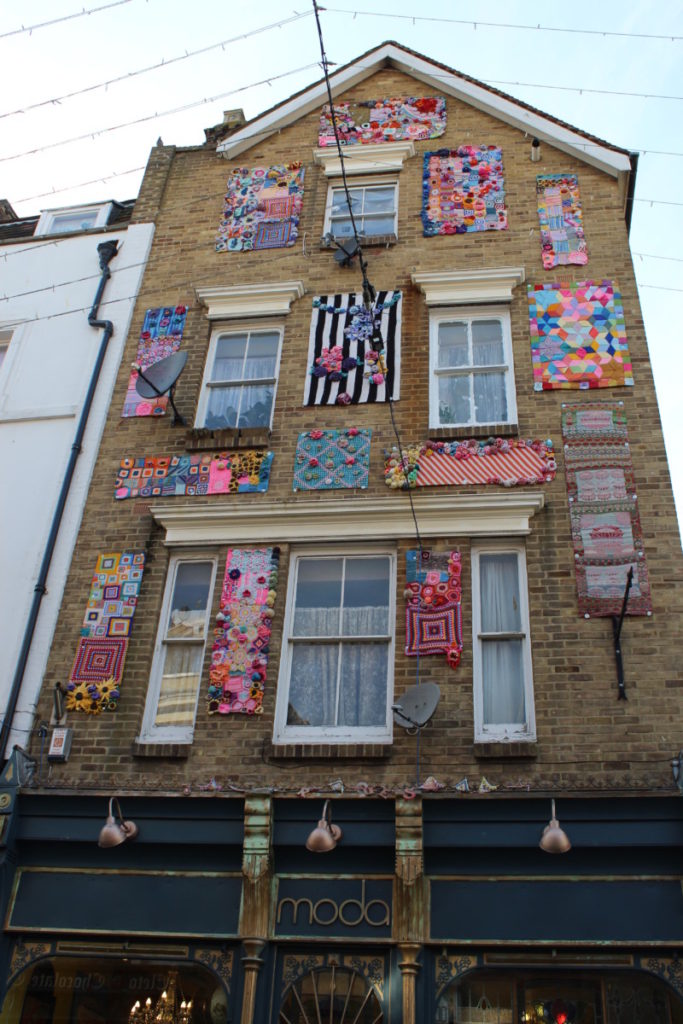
[72, 219]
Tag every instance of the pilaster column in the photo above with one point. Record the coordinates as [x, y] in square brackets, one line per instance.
[251, 964]
[409, 968]
[256, 895]
[409, 917]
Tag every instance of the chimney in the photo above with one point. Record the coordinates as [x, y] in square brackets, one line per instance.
[234, 119]
[7, 214]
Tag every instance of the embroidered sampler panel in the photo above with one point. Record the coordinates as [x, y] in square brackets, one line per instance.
[463, 190]
[161, 335]
[262, 208]
[603, 509]
[433, 609]
[94, 682]
[329, 459]
[578, 337]
[561, 220]
[239, 658]
[388, 120]
[509, 463]
[162, 476]
[343, 367]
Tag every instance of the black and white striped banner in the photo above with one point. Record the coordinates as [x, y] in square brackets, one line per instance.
[338, 371]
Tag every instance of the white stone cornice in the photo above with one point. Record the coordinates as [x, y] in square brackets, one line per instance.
[238, 301]
[463, 287]
[380, 158]
[496, 513]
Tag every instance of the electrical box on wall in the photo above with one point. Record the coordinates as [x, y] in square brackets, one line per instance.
[60, 744]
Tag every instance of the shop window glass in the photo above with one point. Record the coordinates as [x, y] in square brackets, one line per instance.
[337, 995]
[84, 990]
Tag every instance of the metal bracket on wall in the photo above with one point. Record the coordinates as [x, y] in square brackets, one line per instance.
[617, 623]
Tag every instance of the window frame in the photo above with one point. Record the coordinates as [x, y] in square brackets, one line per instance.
[149, 732]
[470, 314]
[364, 183]
[46, 221]
[333, 735]
[235, 328]
[501, 732]
[5, 342]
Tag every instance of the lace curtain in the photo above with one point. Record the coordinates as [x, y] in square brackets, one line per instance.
[502, 660]
[339, 683]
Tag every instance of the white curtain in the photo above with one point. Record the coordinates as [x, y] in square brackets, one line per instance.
[502, 660]
[252, 403]
[179, 685]
[339, 684]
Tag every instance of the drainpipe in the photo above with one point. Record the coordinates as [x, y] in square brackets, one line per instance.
[106, 252]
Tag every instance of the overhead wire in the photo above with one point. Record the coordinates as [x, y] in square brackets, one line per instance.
[476, 23]
[376, 340]
[153, 117]
[95, 132]
[56, 100]
[65, 17]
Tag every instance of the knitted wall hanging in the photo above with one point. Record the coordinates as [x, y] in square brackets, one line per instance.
[240, 651]
[463, 190]
[94, 682]
[603, 509]
[162, 332]
[387, 120]
[559, 211]
[343, 368]
[463, 463]
[329, 459]
[162, 476]
[262, 208]
[433, 612]
[578, 338]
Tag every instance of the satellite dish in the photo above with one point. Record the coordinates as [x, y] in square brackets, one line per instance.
[416, 706]
[345, 251]
[161, 378]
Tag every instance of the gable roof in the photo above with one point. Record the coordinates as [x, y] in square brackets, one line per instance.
[446, 81]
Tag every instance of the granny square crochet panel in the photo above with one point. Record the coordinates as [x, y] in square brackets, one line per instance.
[559, 212]
[94, 682]
[463, 191]
[433, 610]
[239, 658]
[161, 335]
[578, 337]
[603, 510]
[329, 459]
[388, 120]
[262, 208]
[344, 367]
[497, 461]
[162, 476]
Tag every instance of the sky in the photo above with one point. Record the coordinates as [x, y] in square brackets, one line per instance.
[614, 70]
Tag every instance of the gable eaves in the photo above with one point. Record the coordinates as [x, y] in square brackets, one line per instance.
[445, 81]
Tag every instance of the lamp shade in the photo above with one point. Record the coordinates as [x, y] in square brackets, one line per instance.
[554, 838]
[115, 832]
[325, 836]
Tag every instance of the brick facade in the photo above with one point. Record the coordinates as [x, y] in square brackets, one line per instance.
[586, 740]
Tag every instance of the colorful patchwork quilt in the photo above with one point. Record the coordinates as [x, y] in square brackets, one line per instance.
[389, 120]
[94, 682]
[578, 337]
[603, 509]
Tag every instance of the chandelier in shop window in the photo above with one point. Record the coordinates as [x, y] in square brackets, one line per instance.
[168, 1009]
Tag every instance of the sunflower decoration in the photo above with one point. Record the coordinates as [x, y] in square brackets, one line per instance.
[80, 697]
[109, 694]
